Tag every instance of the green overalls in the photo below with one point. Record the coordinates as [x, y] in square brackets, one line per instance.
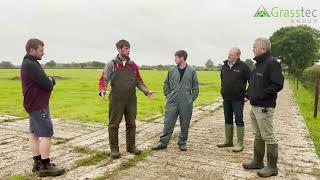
[123, 101]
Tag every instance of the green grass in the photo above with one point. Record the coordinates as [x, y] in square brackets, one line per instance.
[132, 162]
[305, 100]
[84, 150]
[17, 178]
[59, 140]
[76, 96]
[92, 160]
[126, 164]
[27, 176]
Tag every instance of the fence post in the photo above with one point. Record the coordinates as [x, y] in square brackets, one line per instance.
[316, 97]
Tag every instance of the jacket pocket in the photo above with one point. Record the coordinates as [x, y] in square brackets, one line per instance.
[189, 97]
[256, 89]
[170, 97]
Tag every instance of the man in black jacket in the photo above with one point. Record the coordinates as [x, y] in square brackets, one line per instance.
[37, 87]
[234, 77]
[265, 82]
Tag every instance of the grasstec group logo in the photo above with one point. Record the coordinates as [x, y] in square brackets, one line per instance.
[296, 15]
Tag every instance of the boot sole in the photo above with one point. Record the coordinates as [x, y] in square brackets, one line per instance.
[46, 174]
[223, 146]
[238, 150]
[160, 148]
[134, 153]
[273, 174]
[115, 157]
[252, 168]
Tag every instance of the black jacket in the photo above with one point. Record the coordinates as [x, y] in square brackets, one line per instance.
[266, 81]
[234, 80]
[36, 85]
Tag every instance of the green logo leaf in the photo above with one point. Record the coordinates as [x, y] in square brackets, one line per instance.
[261, 12]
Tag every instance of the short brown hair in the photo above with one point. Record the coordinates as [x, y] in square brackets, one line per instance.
[122, 43]
[182, 53]
[34, 44]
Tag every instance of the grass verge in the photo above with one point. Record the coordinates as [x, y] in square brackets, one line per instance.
[304, 97]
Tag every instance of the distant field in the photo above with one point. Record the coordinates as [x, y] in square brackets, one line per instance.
[75, 97]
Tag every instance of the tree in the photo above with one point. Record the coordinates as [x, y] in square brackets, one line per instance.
[297, 47]
[6, 65]
[219, 66]
[83, 65]
[209, 64]
[97, 64]
[250, 63]
[50, 64]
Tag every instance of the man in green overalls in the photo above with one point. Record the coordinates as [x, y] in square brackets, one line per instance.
[124, 76]
[181, 88]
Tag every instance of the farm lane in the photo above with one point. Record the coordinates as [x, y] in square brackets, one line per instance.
[75, 143]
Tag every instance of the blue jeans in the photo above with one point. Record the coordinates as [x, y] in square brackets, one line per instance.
[235, 108]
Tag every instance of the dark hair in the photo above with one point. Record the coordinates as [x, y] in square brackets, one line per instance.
[34, 44]
[182, 53]
[122, 43]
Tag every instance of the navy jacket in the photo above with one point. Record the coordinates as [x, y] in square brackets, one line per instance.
[36, 85]
[234, 80]
[266, 81]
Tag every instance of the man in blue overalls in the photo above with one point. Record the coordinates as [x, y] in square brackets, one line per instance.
[181, 88]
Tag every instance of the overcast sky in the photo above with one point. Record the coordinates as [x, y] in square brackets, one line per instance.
[86, 30]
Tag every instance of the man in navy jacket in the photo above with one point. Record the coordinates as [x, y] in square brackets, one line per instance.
[37, 87]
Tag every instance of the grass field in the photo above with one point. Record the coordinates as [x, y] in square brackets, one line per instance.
[75, 97]
[305, 99]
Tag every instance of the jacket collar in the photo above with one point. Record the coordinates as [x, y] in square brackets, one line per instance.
[262, 57]
[184, 67]
[31, 57]
[118, 60]
[237, 62]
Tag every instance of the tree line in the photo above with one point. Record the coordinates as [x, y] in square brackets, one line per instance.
[296, 47]
[100, 65]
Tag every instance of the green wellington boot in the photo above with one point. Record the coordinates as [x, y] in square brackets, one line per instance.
[272, 159]
[228, 129]
[240, 135]
[258, 154]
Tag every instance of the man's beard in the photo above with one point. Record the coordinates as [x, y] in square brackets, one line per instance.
[125, 56]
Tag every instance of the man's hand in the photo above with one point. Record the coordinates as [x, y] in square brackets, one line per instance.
[103, 94]
[52, 80]
[245, 99]
[150, 94]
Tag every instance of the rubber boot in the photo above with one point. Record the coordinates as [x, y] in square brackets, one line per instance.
[258, 154]
[131, 141]
[272, 159]
[240, 135]
[114, 143]
[228, 129]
